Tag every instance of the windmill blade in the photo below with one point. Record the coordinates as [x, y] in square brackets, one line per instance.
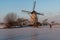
[34, 5]
[40, 14]
[29, 13]
[26, 11]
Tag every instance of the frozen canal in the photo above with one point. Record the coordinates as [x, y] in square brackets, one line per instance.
[30, 33]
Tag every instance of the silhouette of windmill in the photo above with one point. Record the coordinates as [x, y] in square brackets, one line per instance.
[34, 18]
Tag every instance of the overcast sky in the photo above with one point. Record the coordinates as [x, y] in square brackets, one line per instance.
[50, 8]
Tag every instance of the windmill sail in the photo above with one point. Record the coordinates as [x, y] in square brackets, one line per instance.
[39, 13]
[34, 5]
[26, 11]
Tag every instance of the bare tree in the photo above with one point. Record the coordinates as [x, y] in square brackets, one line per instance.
[10, 19]
[19, 22]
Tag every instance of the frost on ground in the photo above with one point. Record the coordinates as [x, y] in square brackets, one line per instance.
[29, 33]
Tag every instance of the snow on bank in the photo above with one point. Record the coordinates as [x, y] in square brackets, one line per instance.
[2, 26]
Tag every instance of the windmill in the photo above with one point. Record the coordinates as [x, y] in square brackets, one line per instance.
[33, 17]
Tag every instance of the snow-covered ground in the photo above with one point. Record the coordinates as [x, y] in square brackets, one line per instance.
[29, 33]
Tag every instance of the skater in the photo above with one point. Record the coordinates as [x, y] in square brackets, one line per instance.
[50, 25]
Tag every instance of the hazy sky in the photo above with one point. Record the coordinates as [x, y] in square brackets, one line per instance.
[48, 7]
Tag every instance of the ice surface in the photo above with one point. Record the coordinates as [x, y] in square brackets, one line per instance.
[29, 33]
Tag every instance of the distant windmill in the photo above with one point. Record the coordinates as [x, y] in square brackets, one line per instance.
[34, 18]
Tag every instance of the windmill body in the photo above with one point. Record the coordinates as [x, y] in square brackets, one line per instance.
[33, 18]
